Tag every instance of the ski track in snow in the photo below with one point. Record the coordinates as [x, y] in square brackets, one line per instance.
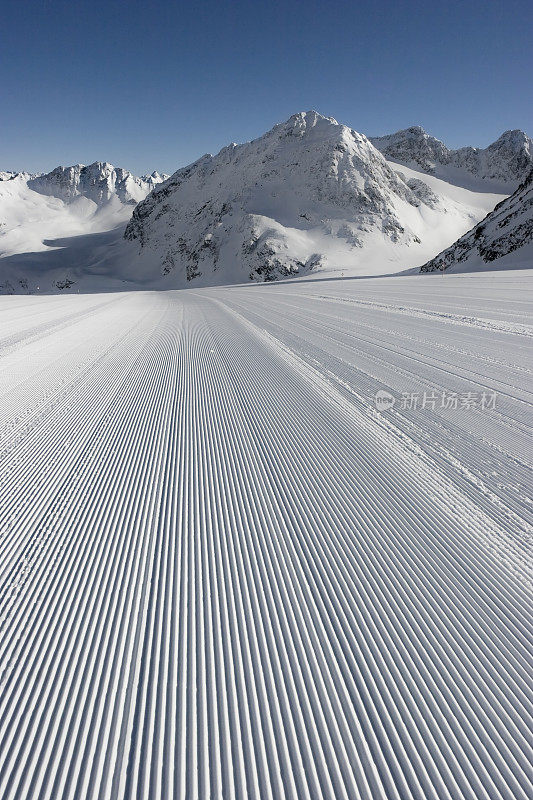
[224, 573]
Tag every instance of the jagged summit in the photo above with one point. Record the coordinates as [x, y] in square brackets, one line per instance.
[269, 204]
[514, 138]
[303, 120]
[511, 154]
[309, 193]
[155, 177]
[505, 162]
[413, 146]
[412, 132]
[99, 182]
[8, 175]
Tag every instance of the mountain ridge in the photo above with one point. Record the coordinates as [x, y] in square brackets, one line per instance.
[310, 196]
[239, 204]
[505, 161]
[98, 181]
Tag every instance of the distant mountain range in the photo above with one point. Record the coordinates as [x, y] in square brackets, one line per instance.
[311, 196]
[505, 162]
[99, 182]
[38, 210]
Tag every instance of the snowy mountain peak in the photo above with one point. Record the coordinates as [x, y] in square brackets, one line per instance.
[308, 192]
[515, 139]
[99, 182]
[315, 127]
[413, 132]
[154, 178]
[413, 147]
[8, 175]
[511, 154]
[304, 120]
[504, 163]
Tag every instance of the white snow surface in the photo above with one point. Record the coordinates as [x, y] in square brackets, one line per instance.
[225, 573]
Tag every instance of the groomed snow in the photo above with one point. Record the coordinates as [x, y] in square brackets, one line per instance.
[224, 573]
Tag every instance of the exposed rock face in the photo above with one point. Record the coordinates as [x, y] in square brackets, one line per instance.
[511, 156]
[99, 182]
[413, 146]
[506, 161]
[505, 230]
[265, 204]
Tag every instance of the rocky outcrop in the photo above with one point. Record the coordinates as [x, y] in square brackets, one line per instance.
[506, 230]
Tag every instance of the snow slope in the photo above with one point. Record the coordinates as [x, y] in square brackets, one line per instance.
[30, 221]
[309, 196]
[224, 573]
[67, 202]
[503, 239]
[500, 167]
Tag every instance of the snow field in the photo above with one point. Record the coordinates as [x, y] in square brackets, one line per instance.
[224, 573]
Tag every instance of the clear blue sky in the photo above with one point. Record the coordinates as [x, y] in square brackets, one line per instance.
[154, 85]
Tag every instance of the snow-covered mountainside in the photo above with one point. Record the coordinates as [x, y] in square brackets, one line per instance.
[38, 210]
[502, 164]
[504, 237]
[99, 182]
[309, 195]
[7, 175]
